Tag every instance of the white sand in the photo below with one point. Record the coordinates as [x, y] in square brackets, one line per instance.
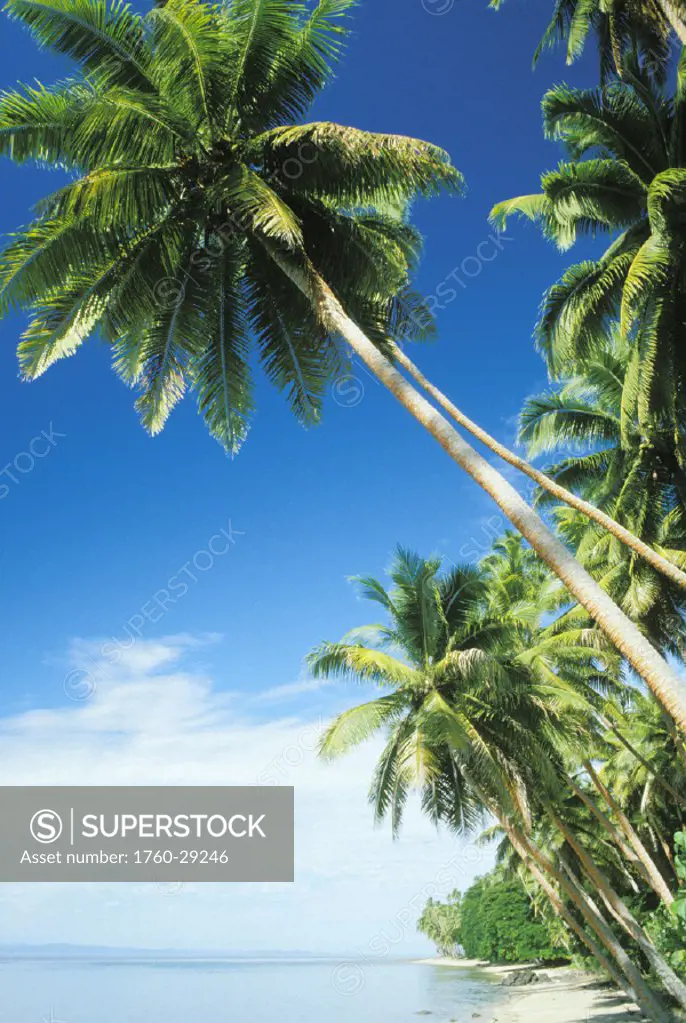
[569, 997]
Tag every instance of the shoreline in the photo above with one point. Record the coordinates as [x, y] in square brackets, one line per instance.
[567, 995]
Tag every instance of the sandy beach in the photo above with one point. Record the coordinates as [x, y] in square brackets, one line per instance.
[567, 996]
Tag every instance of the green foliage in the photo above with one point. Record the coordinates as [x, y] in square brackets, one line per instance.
[611, 330]
[496, 698]
[494, 920]
[620, 27]
[192, 185]
[473, 686]
[441, 922]
[625, 177]
[669, 936]
[631, 471]
[498, 924]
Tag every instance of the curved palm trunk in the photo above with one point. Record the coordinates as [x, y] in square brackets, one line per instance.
[647, 662]
[596, 950]
[614, 834]
[592, 911]
[658, 562]
[624, 917]
[652, 873]
[623, 966]
[647, 1001]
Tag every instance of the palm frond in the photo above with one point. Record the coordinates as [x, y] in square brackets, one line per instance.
[104, 36]
[350, 166]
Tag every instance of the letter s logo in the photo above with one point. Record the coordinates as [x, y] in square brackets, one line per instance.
[46, 826]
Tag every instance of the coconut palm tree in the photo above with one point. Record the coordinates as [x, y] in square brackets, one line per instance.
[203, 217]
[592, 417]
[517, 579]
[467, 646]
[626, 177]
[619, 27]
[476, 705]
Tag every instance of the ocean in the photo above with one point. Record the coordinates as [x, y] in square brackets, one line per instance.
[240, 991]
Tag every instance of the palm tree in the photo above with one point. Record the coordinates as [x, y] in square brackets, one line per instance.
[621, 833]
[517, 579]
[620, 26]
[636, 476]
[191, 177]
[626, 177]
[465, 646]
[473, 697]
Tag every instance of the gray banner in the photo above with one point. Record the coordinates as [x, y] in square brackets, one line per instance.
[161, 834]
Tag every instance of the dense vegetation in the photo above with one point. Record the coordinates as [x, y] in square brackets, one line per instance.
[495, 920]
[538, 695]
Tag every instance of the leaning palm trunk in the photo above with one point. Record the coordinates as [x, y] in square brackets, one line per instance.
[658, 562]
[591, 912]
[652, 873]
[647, 662]
[622, 914]
[610, 829]
[646, 867]
[568, 918]
[646, 999]
[633, 980]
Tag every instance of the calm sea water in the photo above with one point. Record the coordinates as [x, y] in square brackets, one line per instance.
[244, 992]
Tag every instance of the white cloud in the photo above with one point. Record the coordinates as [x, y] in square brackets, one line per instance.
[154, 718]
[280, 694]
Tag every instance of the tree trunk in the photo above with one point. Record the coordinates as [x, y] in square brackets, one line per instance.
[641, 992]
[653, 874]
[613, 832]
[620, 911]
[593, 916]
[658, 562]
[673, 16]
[669, 856]
[647, 1001]
[591, 904]
[664, 682]
[596, 950]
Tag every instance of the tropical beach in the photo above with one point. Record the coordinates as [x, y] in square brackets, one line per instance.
[562, 994]
[344, 507]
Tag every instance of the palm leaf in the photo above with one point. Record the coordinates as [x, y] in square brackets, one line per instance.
[359, 724]
[220, 375]
[104, 36]
[350, 166]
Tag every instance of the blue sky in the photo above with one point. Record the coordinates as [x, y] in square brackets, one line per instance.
[104, 521]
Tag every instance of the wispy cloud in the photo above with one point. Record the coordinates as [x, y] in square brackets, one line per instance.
[291, 690]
